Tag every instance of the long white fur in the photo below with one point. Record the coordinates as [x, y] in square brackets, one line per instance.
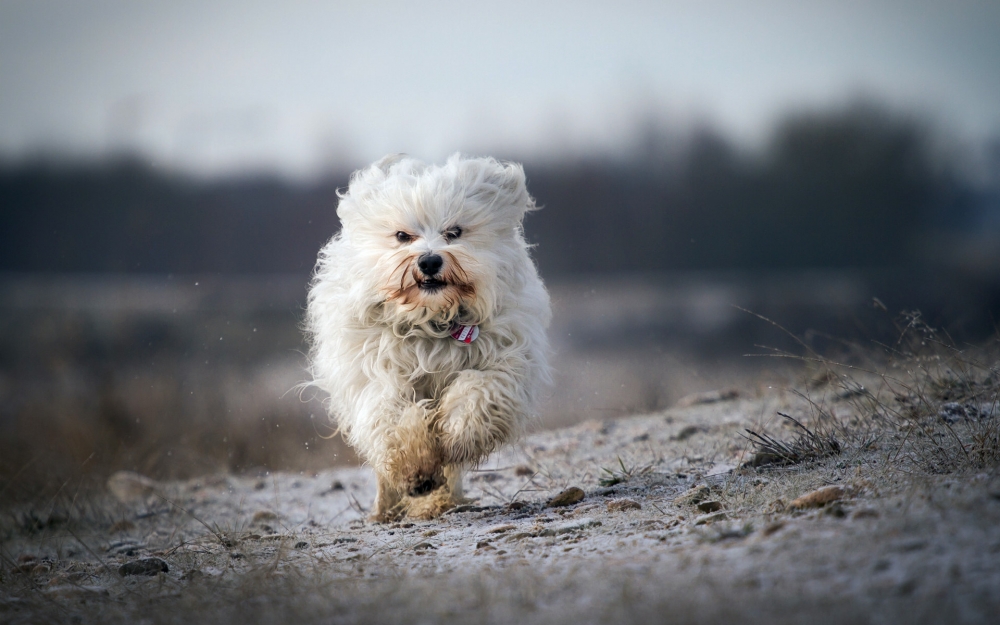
[380, 347]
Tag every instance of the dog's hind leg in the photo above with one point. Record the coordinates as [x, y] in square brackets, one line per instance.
[453, 474]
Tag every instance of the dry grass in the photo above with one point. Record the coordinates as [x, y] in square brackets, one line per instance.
[929, 403]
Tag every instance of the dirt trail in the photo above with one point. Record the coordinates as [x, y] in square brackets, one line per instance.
[669, 528]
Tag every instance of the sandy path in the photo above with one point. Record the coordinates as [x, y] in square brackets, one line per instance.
[295, 548]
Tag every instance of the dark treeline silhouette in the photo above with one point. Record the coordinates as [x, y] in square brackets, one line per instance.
[125, 217]
[854, 187]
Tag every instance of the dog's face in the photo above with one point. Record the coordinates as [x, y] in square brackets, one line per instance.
[433, 243]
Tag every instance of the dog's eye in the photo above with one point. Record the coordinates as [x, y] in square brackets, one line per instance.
[403, 237]
[452, 233]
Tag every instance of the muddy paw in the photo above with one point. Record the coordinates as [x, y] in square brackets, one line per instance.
[421, 482]
[431, 505]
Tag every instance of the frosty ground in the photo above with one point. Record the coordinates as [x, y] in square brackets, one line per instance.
[681, 520]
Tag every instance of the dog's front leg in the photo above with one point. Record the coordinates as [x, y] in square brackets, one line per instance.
[414, 461]
[387, 501]
[479, 412]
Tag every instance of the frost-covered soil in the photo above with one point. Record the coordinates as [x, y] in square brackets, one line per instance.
[296, 548]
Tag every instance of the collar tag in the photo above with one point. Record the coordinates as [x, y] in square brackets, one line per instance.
[464, 334]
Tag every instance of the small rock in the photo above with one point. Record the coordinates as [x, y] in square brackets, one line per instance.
[128, 486]
[421, 546]
[687, 432]
[301, 544]
[523, 470]
[500, 529]
[621, 505]
[693, 495]
[516, 505]
[568, 497]
[519, 536]
[264, 515]
[485, 545]
[710, 506]
[337, 485]
[710, 518]
[817, 498]
[145, 566]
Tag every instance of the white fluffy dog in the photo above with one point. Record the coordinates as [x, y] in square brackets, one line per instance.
[427, 319]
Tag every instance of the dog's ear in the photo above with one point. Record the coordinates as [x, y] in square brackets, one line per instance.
[386, 162]
[498, 184]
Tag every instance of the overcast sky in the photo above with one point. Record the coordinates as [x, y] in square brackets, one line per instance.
[297, 86]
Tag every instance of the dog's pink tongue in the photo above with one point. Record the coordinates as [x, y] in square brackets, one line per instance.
[465, 334]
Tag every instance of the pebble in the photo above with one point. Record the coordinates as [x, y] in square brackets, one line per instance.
[710, 518]
[568, 497]
[817, 498]
[264, 515]
[687, 432]
[621, 505]
[693, 495]
[145, 566]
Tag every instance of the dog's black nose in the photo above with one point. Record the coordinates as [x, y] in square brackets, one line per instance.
[430, 264]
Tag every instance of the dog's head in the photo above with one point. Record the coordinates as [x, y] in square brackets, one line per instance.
[436, 243]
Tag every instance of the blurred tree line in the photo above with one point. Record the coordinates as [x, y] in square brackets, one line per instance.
[854, 187]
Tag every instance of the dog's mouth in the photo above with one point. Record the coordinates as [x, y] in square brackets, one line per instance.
[430, 285]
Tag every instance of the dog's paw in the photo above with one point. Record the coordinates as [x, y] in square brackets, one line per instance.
[431, 505]
[423, 481]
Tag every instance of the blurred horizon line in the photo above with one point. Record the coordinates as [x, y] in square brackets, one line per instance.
[650, 134]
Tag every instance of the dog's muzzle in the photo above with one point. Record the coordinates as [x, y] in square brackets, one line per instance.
[430, 266]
